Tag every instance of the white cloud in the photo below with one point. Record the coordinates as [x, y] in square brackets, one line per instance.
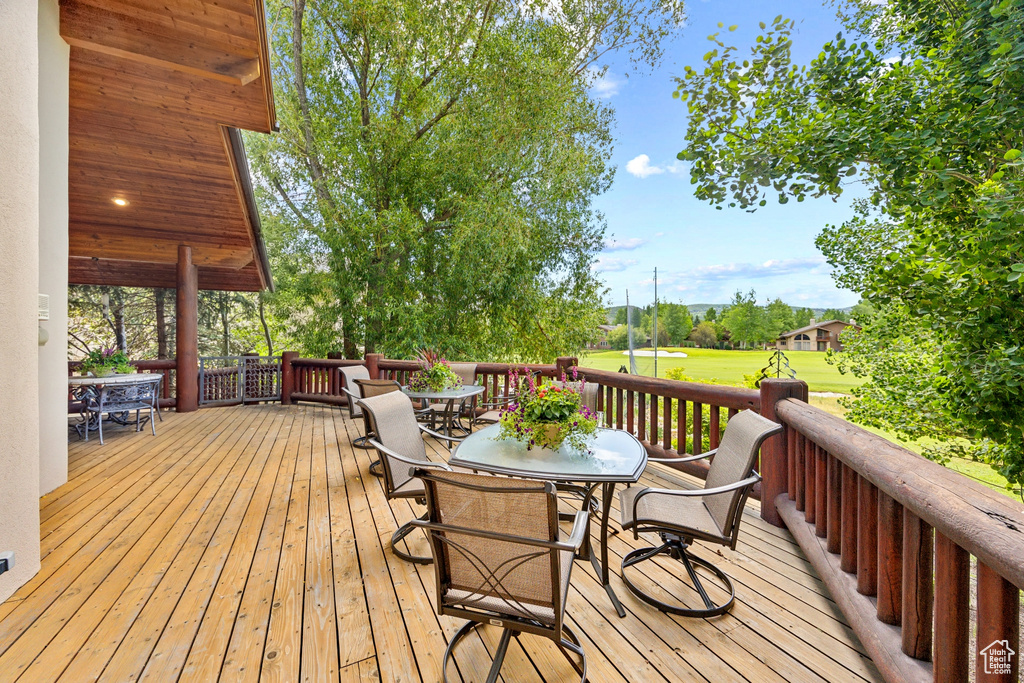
[641, 167]
[604, 84]
[624, 245]
[611, 264]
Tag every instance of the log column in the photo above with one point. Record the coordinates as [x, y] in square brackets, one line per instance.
[774, 466]
[187, 336]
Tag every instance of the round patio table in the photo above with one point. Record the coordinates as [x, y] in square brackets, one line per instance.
[449, 396]
[614, 457]
[84, 387]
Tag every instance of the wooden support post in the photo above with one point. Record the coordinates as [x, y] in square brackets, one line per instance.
[821, 493]
[773, 452]
[890, 560]
[373, 364]
[848, 505]
[287, 376]
[833, 505]
[187, 334]
[810, 481]
[952, 611]
[998, 625]
[917, 587]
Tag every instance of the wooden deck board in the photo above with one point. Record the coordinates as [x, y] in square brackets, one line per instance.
[251, 543]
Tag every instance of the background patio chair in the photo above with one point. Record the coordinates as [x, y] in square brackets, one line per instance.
[354, 392]
[367, 388]
[467, 373]
[493, 406]
[397, 436]
[124, 397]
[711, 515]
[498, 559]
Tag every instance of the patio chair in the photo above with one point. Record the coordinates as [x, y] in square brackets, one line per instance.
[354, 392]
[397, 436]
[711, 514]
[499, 560]
[493, 406]
[124, 397]
[467, 373]
[371, 387]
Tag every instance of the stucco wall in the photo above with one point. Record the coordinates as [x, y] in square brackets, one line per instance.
[54, 54]
[19, 280]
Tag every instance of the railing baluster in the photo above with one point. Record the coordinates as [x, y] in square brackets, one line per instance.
[833, 504]
[630, 403]
[641, 418]
[715, 428]
[917, 591]
[800, 480]
[618, 408]
[607, 405]
[820, 493]
[890, 560]
[998, 620]
[792, 436]
[698, 428]
[952, 611]
[732, 412]
[867, 537]
[848, 546]
[681, 426]
[666, 437]
[654, 419]
[810, 494]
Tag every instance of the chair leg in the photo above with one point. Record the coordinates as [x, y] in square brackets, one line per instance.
[377, 468]
[99, 421]
[152, 422]
[679, 550]
[402, 532]
[362, 442]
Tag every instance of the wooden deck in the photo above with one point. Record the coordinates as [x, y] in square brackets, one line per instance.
[251, 543]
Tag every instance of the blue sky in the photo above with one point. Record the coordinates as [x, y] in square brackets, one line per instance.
[704, 255]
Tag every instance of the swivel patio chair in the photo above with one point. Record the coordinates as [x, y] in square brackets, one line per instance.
[397, 436]
[493, 406]
[499, 560]
[371, 387]
[467, 373]
[711, 514]
[354, 392]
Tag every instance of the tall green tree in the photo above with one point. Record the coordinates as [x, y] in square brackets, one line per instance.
[434, 174]
[746, 321]
[677, 321]
[921, 101]
[780, 318]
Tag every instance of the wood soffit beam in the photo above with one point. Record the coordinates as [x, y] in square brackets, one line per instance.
[126, 37]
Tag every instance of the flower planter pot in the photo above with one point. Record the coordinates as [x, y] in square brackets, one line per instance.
[104, 371]
[552, 435]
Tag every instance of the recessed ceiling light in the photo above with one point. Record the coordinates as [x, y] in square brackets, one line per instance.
[120, 202]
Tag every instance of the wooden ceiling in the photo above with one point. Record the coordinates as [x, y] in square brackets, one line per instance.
[158, 89]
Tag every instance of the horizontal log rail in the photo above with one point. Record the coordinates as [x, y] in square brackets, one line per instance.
[892, 535]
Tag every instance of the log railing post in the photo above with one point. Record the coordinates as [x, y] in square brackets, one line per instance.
[187, 335]
[917, 592]
[774, 466]
[287, 376]
[373, 364]
[952, 611]
[998, 628]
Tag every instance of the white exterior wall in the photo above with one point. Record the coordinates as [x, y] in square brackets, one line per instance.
[19, 281]
[54, 55]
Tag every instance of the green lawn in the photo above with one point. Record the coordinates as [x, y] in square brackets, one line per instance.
[728, 367]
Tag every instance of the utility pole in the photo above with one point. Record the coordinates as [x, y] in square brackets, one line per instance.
[655, 322]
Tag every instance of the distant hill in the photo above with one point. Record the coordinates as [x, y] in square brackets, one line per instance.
[699, 309]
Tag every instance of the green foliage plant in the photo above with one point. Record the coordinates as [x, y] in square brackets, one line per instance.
[106, 361]
[435, 373]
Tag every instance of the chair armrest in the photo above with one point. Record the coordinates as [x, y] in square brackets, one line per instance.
[438, 435]
[688, 458]
[434, 527]
[579, 530]
[384, 450]
[697, 493]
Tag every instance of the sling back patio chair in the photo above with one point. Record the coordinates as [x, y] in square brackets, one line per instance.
[467, 373]
[354, 392]
[711, 514]
[372, 387]
[124, 397]
[499, 560]
[398, 438]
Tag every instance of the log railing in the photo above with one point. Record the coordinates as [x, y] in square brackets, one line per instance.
[892, 536]
[315, 380]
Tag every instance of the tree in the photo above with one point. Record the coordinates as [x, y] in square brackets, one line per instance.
[434, 175]
[802, 317]
[621, 316]
[746, 321]
[835, 314]
[677, 321]
[618, 338]
[780, 318]
[922, 102]
[704, 335]
[710, 314]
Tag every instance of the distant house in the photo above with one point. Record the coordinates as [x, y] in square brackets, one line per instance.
[602, 338]
[815, 337]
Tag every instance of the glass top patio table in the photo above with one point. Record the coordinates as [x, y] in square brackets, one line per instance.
[446, 394]
[615, 456]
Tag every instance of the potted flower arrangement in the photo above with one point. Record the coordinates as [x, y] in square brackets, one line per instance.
[548, 415]
[106, 362]
[435, 373]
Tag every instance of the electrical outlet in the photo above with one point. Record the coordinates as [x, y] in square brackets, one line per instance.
[6, 561]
